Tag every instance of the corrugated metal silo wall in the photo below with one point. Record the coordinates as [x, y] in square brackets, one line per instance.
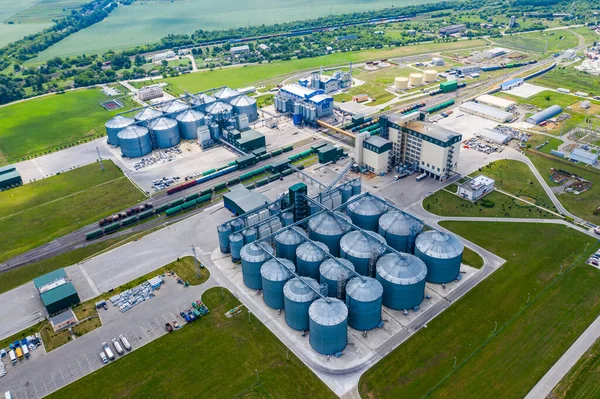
[401, 297]
[296, 314]
[364, 316]
[287, 251]
[273, 293]
[328, 340]
[332, 241]
[224, 231]
[440, 271]
[251, 274]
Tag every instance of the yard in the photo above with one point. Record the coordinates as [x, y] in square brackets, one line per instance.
[539, 314]
[569, 78]
[581, 382]
[540, 42]
[216, 357]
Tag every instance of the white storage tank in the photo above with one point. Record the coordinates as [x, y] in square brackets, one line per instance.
[401, 83]
[416, 79]
[430, 75]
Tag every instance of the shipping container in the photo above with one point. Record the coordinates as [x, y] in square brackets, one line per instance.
[173, 210]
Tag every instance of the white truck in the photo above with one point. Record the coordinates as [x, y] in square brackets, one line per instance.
[25, 350]
[13, 357]
[109, 353]
[103, 357]
[125, 342]
[117, 346]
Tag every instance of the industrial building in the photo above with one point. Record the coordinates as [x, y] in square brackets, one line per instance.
[485, 111]
[240, 200]
[240, 49]
[247, 141]
[477, 188]
[511, 84]
[452, 29]
[437, 61]
[544, 115]
[421, 146]
[9, 177]
[63, 320]
[304, 103]
[376, 154]
[497, 102]
[583, 156]
[338, 81]
[494, 136]
[467, 70]
[150, 93]
[56, 291]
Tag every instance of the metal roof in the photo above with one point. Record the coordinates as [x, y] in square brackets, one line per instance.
[360, 245]
[439, 245]
[119, 122]
[242, 101]
[434, 131]
[333, 270]
[485, 109]
[62, 317]
[132, 132]
[329, 313]
[495, 101]
[275, 271]
[512, 81]
[310, 253]
[396, 222]
[377, 141]
[327, 224]
[368, 206]
[49, 277]
[147, 113]
[218, 107]
[253, 253]
[226, 93]
[203, 99]
[297, 291]
[403, 271]
[162, 124]
[245, 199]
[190, 116]
[364, 289]
[300, 91]
[580, 155]
[291, 236]
[174, 106]
[58, 294]
[495, 136]
[545, 114]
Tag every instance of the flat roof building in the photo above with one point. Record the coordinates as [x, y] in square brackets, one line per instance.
[9, 177]
[240, 49]
[497, 102]
[240, 200]
[586, 157]
[486, 111]
[496, 137]
[56, 291]
[510, 84]
[251, 140]
[449, 30]
[376, 151]
[476, 188]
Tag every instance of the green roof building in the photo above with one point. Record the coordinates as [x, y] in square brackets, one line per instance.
[9, 177]
[240, 200]
[57, 292]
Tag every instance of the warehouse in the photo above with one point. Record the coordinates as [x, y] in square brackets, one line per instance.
[376, 151]
[586, 157]
[511, 84]
[304, 103]
[452, 29]
[9, 177]
[486, 111]
[476, 188]
[56, 291]
[497, 102]
[494, 136]
[544, 115]
[251, 140]
[240, 200]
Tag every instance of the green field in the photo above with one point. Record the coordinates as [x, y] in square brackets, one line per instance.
[581, 382]
[62, 204]
[215, 357]
[49, 123]
[472, 258]
[530, 337]
[540, 42]
[569, 78]
[553, 143]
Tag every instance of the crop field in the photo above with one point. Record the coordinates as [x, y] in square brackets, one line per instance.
[214, 357]
[531, 335]
[581, 382]
[47, 124]
[569, 78]
[55, 206]
[540, 42]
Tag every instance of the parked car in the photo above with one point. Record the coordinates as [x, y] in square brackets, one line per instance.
[169, 327]
[103, 357]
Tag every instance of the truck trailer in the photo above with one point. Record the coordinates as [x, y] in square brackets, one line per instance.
[125, 342]
[25, 350]
[117, 346]
[13, 357]
[109, 352]
[19, 353]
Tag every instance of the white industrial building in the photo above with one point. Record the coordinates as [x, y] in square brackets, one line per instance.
[485, 111]
[452, 29]
[376, 154]
[437, 61]
[497, 102]
[494, 136]
[476, 188]
[240, 49]
[163, 56]
[149, 93]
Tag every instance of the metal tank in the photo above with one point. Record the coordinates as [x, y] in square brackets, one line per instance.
[245, 105]
[253, 257]
[236, 242]
[297, 298]
[114, 126]
[201, 101]
[309, 258]
[189, 121]
[274, 275]
[174, 107]
[288, 241]
[356, 186]
[274, 208]
[366, 211]
[166, 133]
[364, 297]
[328, 324]
[329, 230]
[313, 209]
[250, 235]
[220, 111]
[442, 253]
[226, 93]
[333, 273]
[237, 224]
[147, 114]
[224, 231]
[403, 280]
[360, 248]
[346, 193]
[287, 218]
[399, 230]
[135, 141]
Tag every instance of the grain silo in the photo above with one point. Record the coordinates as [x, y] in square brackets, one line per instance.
[237, 224]
[250, 235]
[114, 126]
[166, 133]
[226, 93]
[236, 242]
[415, 79]
[399, 230]
[135, 141]
[147, 114]
[359, 248]
[364, 298]
[219, 111]
[288, 241]
[401, 83]
[287, 218]
[403, 280]
[253, 257]
[245, 105]
[346, 192]
[366, 211]
[328, 326]
[297, 298]
[309, 258]
[201, 101]
[333, 273]
[442, 253]
[189, 121]
[356, 186]
[329, 230]
[274, 275]
[174, 107]
[224, 231]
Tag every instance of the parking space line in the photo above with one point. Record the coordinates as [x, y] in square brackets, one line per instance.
[35, 388]
[62, 375]
[174, 318]
[90, 363]
[71, 370]
[54, 379]
[166, 321]
[151, 328]
[45, 387]
[144, 331]
[80, 368]
[26, 394]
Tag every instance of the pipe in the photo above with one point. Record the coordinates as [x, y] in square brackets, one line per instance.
[335, 129]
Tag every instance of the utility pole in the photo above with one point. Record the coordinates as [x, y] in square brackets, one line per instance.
[495, 327]
[454, 362]
[100, 159]
[528, 296]
[198, 274]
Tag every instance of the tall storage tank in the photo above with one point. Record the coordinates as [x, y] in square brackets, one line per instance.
[226, 93]
[365, 212]
[274, 275]
[147, 114]
[245, 105]
[415, 79]
[219, 111]
[332, 273]
[364, 297]
[297, 298]
[287, 218]
[328, 326]
[166, 133]
[288, 241]
[250, 235]
[401, 83]
[397, 227]
[189, 121]
[237, 224]
[253, 257]
[403, 280]
[135, 141]
[309, 258]
[174, 107]
[224, 231]
[430, 76]
[114, 126]
[360, 248]
[329, 230]
[442, 253]
[236, 242]
[201, 101]
[346, 193]
[356, 187]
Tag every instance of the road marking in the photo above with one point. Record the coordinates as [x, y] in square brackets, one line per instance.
[26, 394]
[71, 370]
[80, 368]
[158, 326]
[174, 318]
[89, 280]
[90, 363]
[62, 375]
[45, 387]
[151, 328]
[36, 391]
[144, 331]
[54, 379]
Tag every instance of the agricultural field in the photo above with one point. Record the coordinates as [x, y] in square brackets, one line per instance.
[581, 382]
[569, 78]
[531, 335]
[55, 206]
[540, 42]
[50, 123]
[219, 359]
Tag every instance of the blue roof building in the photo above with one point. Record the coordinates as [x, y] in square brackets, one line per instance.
[581, 155]
[511, 84]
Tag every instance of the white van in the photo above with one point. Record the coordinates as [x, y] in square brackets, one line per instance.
[125, 342]
[7, 395]
[103, 357]
[13, 357]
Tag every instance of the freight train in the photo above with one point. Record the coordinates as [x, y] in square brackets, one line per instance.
[510, 65]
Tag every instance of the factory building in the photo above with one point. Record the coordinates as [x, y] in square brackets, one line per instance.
[56, 291]
[497, 102]
[240, 50]
[376, 154]
[511, 84]
[494, 136]
[476, 188]
[452, 29]
[485, 111]
[467, 70]
[428, 148]
[304, 103]
[339, 80]
[437, 61]
[583, 156]
[240, 200]
[544, 115]
[9, 177]
[150, 93]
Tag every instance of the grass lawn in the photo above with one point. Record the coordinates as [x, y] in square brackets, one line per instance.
[215, 357]
[540, 42]
[91, 195]
[49, 123]
[53, 340]
[537, 139]
[581, 382]
[472, 259]
[569, 78]
[530, 337]
[548, 98]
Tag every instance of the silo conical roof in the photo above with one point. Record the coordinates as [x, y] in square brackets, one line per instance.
[242, 101]
[190, 116]
[162, 124]
[367, 206]
[364, 289]
[397, 223]
[275, 271]
[174, 106]
[361, 245]
[327, 224]
[439, 245]
[253, 253]
[147, 113]
[297, 291]
[132, 132]
[226, 93]
[119, 122]
[291, 236]
[310, 253]
[405, 270]
[329, 313]
[218, 107]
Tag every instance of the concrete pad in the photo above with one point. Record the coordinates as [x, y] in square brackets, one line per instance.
[285, 134]
[21, 308]
[466, 124]
[526, 90]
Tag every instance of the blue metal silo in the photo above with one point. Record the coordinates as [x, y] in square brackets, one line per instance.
[189, 121]
[287, 218]
[329, 230]
[309, 259]
[442, 253]
[224, 231]
[237, 224]
[253, 257]
[403, 280]
[201, 101]
[297, 299]
[274, 275]
[226, 94]
[346, 192]
[360, 249]
[328, 326]
[236, 242]
[219, 111]
[356, 186]
[135, 141]
[365, 212]
[288, 241]
[166, 132]
[333, 274]
[250, 235]
[399, 230]
[114, 126]
[174, 107]
[364, 297]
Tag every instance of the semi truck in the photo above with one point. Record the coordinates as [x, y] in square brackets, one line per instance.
[19, 353]
[25, 350]
[109, 353]
[117, 346]
[13, 357]
[125, 342]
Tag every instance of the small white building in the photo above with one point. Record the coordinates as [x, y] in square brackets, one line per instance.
[497, 102]
[476, 188]
[437, 61]
[240, 49]
[376, 154]
[264, 47]
[163, 56]
[149, 93]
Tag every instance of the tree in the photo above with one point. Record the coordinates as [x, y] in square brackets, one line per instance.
[139, 60]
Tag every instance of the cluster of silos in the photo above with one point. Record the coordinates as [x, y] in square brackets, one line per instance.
[135, 141]
[363, 250]
[274, 275]
[253, 257]
[165, 131]
[114, 126]
[403, 280]
[399, 229]
[329, 230]
[288, 241]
